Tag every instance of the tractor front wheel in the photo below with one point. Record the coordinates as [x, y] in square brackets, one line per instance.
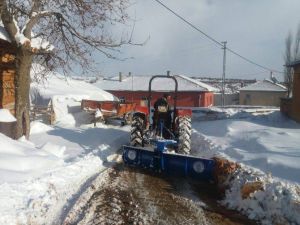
[184, 135]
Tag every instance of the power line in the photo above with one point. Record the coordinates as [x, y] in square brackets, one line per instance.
[189, 23]
[252, 62]
[214, 40]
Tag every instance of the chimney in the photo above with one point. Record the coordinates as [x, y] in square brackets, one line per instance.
[129, 74]
[120, 76]
[168, 73]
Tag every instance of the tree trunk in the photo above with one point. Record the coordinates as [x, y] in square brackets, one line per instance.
[22, 86]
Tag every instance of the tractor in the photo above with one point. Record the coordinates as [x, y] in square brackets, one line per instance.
[163, 143]
[164, 123]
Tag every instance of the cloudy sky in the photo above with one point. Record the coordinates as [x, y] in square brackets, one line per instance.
[255, 29]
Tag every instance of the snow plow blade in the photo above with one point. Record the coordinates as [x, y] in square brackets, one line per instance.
[168, 163]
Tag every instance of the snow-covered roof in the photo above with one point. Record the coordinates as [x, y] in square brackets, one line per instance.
[141, 83]
[59, 85]
[264, 85]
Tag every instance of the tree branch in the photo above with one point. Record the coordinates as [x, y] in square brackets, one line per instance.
[7, 20]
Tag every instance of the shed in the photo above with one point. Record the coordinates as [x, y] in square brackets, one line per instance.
[7, 72]
[191, 93]
[291, 106]
[263, 93]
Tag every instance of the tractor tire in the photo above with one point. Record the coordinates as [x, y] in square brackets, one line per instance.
[137, 131]
[184, 135]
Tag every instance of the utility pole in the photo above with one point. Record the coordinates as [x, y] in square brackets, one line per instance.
[223, 75]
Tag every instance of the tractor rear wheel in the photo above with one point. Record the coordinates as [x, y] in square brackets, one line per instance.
[137, 131]
[184, 135]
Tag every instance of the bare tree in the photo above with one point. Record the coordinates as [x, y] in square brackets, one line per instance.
[292, 53]
[288, 76]
[58, 34]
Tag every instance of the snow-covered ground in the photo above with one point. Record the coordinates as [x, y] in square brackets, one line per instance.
[268, 148]
[40, 178]
[269, 142]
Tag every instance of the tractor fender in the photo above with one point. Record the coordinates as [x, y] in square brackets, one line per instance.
[183, 112]
[141, 110]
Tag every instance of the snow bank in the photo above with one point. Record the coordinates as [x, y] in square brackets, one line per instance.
[37, 127]
[40, 178]
[277, 203]
[268, 142]
[6, 116]
[20, 161]
[267, 146]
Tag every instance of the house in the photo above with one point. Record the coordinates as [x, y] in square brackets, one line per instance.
[7, 72]
[232, 87]
[291, 106]
[191, 93]
[7, 85]
[263, 93]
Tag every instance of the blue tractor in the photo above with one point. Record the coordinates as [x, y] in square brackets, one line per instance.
[161, 140]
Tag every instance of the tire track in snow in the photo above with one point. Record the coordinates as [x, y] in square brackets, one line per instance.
[127, 196]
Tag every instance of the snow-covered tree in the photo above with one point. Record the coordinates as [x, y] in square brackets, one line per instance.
[58, 34]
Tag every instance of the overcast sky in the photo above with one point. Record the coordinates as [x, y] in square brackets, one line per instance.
[255, 29]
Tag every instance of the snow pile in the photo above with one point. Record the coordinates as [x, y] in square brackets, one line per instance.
[38, 127]
[267, 146]
[20, 161]
[277, 203]
[6, 116]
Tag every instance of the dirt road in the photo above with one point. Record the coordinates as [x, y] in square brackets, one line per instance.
[136, 197]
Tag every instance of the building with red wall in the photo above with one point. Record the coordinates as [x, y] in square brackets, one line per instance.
[191, 93]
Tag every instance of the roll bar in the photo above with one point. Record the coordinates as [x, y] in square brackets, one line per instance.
[150, 92]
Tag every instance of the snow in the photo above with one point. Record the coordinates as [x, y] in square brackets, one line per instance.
[40, 43]
[264, 85]
[40, 176]
[141, 83]
[267, 146]
[37, 43]
[199, 83]
[6, 116]
[258, 142]
[65, 94]
[3, 34]
[59, 85]
[20, 161]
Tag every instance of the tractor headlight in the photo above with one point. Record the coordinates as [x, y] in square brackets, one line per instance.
[198, 167]
[131, 155]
